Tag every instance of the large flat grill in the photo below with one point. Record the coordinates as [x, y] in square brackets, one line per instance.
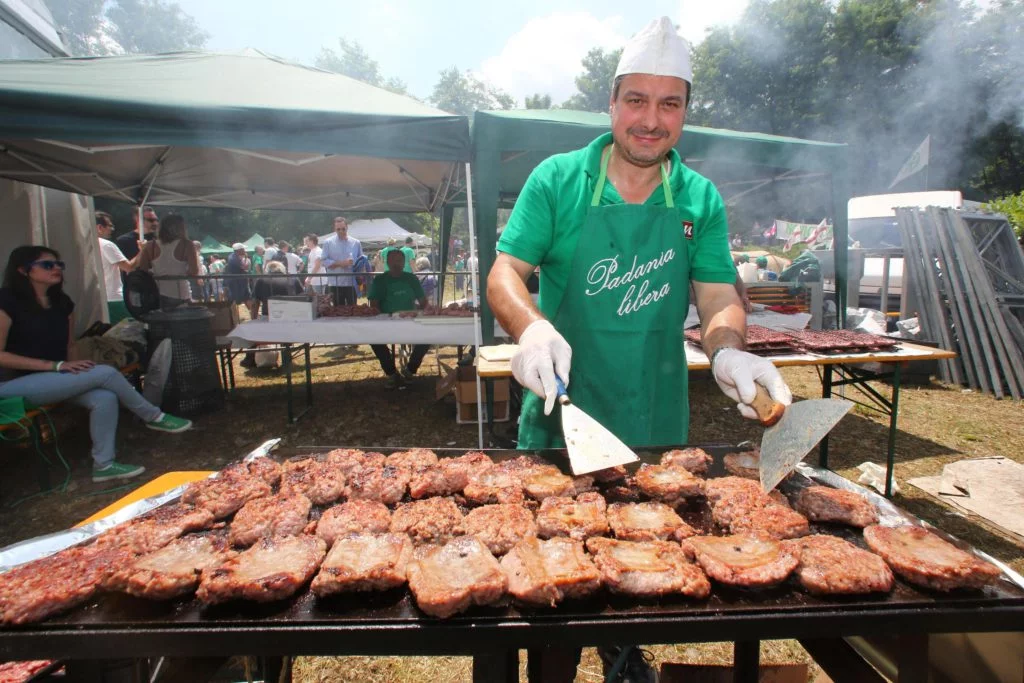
[119, 625]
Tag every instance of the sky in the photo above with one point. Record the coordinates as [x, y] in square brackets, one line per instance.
[523, 47]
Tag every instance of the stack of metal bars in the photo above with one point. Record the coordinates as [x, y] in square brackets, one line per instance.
[967, 272]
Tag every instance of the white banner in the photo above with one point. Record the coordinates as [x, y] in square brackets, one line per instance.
[917, 161]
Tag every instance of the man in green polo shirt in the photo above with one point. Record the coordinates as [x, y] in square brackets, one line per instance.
[392, 292]
[620, 230]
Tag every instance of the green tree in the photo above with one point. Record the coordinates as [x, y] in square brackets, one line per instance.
[354, 61]
[463, 93]
[594, 84]
[537, 101]
[98, 27]
[1013, 207]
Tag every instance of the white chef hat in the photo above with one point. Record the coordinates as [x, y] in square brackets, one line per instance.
[237, 246]
[657, 50]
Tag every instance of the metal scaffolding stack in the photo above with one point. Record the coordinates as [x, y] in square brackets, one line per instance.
[967, 273]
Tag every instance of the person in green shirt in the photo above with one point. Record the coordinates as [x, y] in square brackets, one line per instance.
[620, 230]
[257, 260]
[410, 255]
[391, 292]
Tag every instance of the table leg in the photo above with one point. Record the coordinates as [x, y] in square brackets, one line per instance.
[746, 661]
[826, 392]
[890, 462]
[231, 368]
[286, 364]
[496, 667]
[309, 378]
[489, 393]
[840, 661]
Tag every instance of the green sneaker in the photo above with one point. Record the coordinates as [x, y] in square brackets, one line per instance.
[116, 470]
[170, 424]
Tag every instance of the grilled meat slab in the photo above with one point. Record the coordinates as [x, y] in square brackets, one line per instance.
[647, 568]
[493, 484]
[50, 585]
[924, 559]
[733, 498]
[266, 469]
[773, 521]
[364, 562]
[317, 479]
[670, 484]
[283, 515]
[450, 579]
[547, 572]
[347, 459]
[156, 528]
[353, 517]
[742, 560]
[500, 526]
[696, 460]
[825, 504]
[273, 569]
[434, 520]
[386, 484]
[546, 481]
[647, 522]
[448, 477]
[226, 493]
[414, 460]
[746, 464]
[577, 518]
[832, 566]
[171, 571]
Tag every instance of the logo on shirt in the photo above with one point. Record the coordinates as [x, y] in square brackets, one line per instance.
[688, 229]
[604, 276]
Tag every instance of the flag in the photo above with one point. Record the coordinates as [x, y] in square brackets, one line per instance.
[809, 233]
[770, 232]
[917, 161]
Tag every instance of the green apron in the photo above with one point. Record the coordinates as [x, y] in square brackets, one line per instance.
[622, 313]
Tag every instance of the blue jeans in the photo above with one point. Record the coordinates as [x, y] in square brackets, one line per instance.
[99, 390]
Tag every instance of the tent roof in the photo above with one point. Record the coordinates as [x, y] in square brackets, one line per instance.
[377, 231]
[211, 245]
[737, 160]
[254, 241]
[237, 130]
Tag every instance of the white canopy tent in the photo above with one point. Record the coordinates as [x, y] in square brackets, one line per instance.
[375, 233]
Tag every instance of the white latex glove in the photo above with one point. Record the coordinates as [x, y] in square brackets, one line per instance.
[736, 372]
[542, 353]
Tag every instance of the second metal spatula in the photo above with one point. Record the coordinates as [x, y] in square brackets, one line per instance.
[792, 432]
[590, 445]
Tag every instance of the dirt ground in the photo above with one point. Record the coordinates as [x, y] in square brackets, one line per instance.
[938, 425]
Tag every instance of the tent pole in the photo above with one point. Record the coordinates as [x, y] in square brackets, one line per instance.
[476, 309]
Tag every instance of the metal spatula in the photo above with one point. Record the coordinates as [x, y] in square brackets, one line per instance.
[792, 432]
[591, 447]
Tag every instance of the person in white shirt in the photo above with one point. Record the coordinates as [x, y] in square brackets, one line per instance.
[114, 263]
[292, 261]
[315, 265]
[270, 250]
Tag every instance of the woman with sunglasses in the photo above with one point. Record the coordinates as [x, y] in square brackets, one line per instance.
[37, 359]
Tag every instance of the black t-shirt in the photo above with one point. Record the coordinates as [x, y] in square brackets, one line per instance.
[268, 287]
[128, 243]
[36, 332]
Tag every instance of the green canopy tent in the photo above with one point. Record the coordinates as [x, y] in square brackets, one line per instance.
[237, 130]
[209, 245]
[255, 241]
[507, 145]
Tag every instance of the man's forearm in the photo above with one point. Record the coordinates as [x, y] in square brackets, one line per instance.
[509, 299]
[723, 320]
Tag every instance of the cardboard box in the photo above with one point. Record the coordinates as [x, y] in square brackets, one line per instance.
[225, 317]
[291, 309]
[463, 381]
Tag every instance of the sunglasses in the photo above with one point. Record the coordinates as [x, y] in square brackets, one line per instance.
[48, 264]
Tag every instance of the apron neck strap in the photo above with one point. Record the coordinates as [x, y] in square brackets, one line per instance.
[595, 200]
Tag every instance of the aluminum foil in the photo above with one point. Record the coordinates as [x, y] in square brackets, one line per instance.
[42, 546]
[889, 514]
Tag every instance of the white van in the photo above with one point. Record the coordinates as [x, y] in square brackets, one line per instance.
[872, 225]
